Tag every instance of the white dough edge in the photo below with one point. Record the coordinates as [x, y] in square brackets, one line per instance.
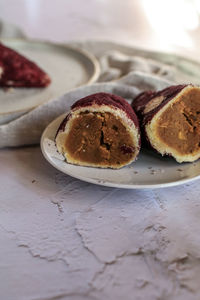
[1, 72]
[154, 140]
[118, 113]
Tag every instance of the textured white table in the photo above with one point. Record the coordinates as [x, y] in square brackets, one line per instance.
[61, 238]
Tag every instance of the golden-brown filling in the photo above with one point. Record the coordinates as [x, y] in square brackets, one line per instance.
[179, 125]
[99, 138]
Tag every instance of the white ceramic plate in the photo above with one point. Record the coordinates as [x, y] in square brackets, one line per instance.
[67, 67]
[149, 171]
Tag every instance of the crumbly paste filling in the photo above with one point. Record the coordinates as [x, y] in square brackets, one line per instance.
[99, 138]
[179, 124]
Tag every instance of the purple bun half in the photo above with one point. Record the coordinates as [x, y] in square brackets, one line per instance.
[106, 129]
[18, 71]
[170, 120]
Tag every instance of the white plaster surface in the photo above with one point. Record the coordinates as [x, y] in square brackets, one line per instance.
[63, 239]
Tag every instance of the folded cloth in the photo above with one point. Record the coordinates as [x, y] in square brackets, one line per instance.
[27, 129]
[115, 64]
[131, 73]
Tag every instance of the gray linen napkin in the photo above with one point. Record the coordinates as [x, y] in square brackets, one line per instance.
[131, 74]
[28, 128]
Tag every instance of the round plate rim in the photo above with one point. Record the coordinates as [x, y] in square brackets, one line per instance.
[107, 183]
[85, 53]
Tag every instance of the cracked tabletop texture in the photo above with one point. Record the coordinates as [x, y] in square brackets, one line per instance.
[92, 242]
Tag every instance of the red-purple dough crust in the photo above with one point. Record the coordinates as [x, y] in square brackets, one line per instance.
[18, 71]
[103, 99]
[140, 102]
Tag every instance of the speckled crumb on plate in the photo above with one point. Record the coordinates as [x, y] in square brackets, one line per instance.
[52, 150]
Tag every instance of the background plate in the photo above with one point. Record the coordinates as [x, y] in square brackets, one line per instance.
[67, 67]
[149, 171]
